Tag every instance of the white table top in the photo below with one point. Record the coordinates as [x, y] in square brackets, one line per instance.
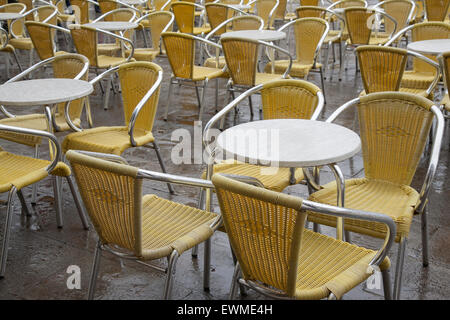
[240, 6]
[133, 2]
[112, 25]
[433, 47]
[264, 35]
[290, 143]
[43, 91]
[9, 16]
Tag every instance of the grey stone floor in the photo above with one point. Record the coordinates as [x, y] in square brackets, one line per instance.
[40, 253]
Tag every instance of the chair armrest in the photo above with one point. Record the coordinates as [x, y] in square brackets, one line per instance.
[432, 63]
[102, 75]
[114, 11]
[277, 48]
[398, 35]
[246, 179]
[123, 39]
[6, 38]
[105, 156]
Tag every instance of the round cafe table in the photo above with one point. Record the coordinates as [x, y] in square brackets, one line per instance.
[9, 16]
[291, 143]
[432, 47]
[112, 25]
[263, 35]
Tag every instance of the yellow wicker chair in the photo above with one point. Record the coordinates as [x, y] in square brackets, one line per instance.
[382, 69]
[266, 10]
[185, 17]
[436, 10]
[7, 48]
[444, 61]
[394, 128]
[81, 10]
[158, 22]
[244, 22]
[140, 83]
[18, 172]
[281, 259]
[422, 73]
[309, 34]
[85, 40]
[180, 49]
[63, 16]
[360, 23]
[130, 226]
[218, 13]
[43, 38]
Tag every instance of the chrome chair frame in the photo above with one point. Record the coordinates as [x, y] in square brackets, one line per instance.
[271, 11]
[421, 208]
[154, 176]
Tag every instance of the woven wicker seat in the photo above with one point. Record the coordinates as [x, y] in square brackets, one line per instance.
[394, 129]
[278, 257]
[144, 227]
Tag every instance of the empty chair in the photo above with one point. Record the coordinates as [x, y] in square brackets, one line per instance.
[266, 10]
[43, 37]
[185, 18]
[436, 10]
[394, 128]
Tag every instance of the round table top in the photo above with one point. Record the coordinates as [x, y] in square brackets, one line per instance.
[112, 25]
[433, 47]
[264, 35]
[10, 15]
[292, 143]
[133, 2]
[43, 91]
[240, 6]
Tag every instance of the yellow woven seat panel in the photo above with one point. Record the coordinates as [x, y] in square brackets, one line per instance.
[201, 73]
[168, 226]
[107, 48]
[66, 17]
[199, 30]
[107, 61]
[419, 92]
[113, 140]
[211, 62]
[322, 269]
[21, 43]
[261, 77]
[31, 121]
[298, 69]
[417, 80]
[21, 171]
[143, 54]
[395, 200]
[276, 180]
[379, 40]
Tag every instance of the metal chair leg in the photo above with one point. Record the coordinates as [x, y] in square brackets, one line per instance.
[57, 199]
[168, 99]
[80, 208]
[217, 95]
[399, 268]
[206, 264]
[323, 86]
[342, 53]
[7, 230]
[23, 203]
[161, 164]
[424, 237]
[34, 187]
[386, 284]
[107, 93]
[201, 200]
[202, 105]
[234, 283]
[170, 274]
[94, 272]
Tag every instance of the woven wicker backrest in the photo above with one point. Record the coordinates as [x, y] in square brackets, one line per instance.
[29, 5]
[218, 13]
[399, 10]
[157, 4]
[394, 128]
[42, 37]
[158, 21]
[180, 50]
[311, 12]
[264, 228]
[18, 27]
[436, 10]
[381, 67]
[112, 196]
[309, 3]
[85, 40]
[241, 56]
[356, 22]
[136, 79]
[289, 99]
[428, 31]
[81, 10]
[107, 6]
[69, 66]
[308, 32]
[280, 12]
[248, 22]
[184, 16]
[46, 11]
[263, 8]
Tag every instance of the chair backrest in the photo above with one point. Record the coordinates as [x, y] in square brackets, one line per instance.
[265, 231]
[280, 12]
[112, 194]
[347, 4]
[158, 5]
[184, 15]
[158, 22]
[289, 99]
[29, 6]
[218, 13]
[136, 79]
[394, 128]
[81, 10]
[69, 66]
[85, 40]
[180, 49]
[120, 14]
[309, 3]
[17, 28]
[107, 6]
[400, 10]
[264, 8]
[45, 12]
[356, 21]
[428, 31]
[436, 10]
[308, 33]
[42, 36]
[248, 22]
[241, 56]
[444, 61]
[381, 67]
[311, 12]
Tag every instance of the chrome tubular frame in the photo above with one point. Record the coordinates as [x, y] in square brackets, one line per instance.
[20, 12]
[430, 62]
[411, 12]
[32, 11]
[269, 19]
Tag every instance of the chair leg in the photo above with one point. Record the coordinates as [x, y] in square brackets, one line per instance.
[168, 99]
[424, 237]
[399, 268]
[202, 105]
[17, 61]
[250, 105]
[342, 53]
[323, 86]
[217, 94]
[34, 187]
[7, 230]
[206, 264]
[201, 200]
[170, 275]
[327, 59]
[57, 197]
[234, 282]
[386, 284]
[23, 203]
[107, 93]
[80, 208]
[161, 164]
[88, 112]
[94, 271]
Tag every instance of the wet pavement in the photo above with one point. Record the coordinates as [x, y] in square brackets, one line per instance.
[40, 253]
